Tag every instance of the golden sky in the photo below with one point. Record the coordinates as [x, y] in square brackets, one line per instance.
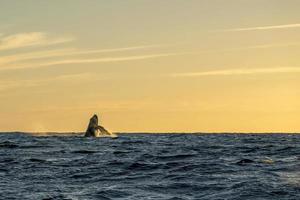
[151, 66]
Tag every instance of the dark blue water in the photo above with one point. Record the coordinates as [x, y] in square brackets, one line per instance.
[150, 166]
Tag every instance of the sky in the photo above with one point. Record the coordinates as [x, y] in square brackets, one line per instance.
[150, 65]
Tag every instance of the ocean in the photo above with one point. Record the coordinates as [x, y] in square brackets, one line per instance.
[150, 166]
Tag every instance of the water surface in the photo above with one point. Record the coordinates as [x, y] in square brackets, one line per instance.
[150, 166]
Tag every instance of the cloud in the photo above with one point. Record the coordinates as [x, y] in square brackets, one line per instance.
[110, 59]
[265, 46]
[92, 60]
[4, 60]
[284, 26]
[21, 40]
[71, 78]
[230, 72]
[121, 49]
[13, 62]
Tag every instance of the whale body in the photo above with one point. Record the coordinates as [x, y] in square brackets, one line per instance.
[94, 130]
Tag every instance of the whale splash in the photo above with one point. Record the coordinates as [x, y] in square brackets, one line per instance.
[94, 130]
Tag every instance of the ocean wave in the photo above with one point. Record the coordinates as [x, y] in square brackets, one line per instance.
[141, 166]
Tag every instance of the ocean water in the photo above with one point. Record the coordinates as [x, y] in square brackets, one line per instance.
[150, 166]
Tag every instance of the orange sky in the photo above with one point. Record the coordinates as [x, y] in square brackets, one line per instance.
[157, 66]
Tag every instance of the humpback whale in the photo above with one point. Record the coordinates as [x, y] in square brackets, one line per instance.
[94, 130]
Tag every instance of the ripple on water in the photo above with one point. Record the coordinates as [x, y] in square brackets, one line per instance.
[141, 166]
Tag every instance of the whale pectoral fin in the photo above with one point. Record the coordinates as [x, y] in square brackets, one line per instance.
[103, 130]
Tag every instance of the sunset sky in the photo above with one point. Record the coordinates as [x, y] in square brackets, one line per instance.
[150, 65]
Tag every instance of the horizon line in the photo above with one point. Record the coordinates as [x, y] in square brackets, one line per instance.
[147, 132]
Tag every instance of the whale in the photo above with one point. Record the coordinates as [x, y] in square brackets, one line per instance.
[94, 130]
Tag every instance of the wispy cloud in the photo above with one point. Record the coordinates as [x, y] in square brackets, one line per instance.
[265, 46]
[15, 61]
[64, 56]
[111, 59]
[21, 40]
[230, 72]
[65, 52]
[131, 48]
[283, 26]
[5, 60]
[70, 78]
[92, 60]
